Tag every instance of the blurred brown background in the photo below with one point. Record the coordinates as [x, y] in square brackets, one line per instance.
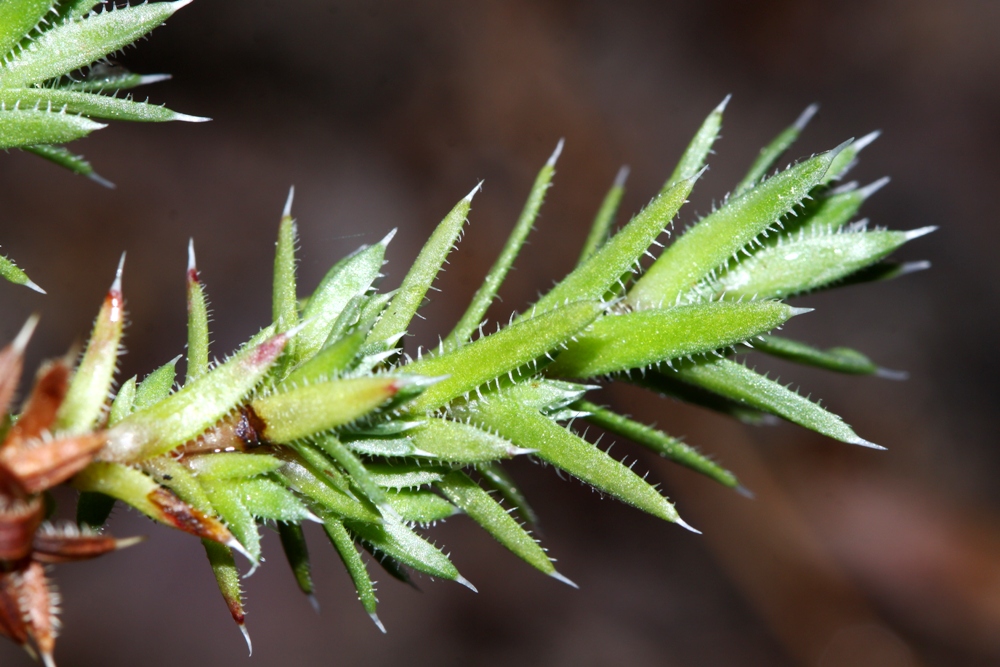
[383, 114]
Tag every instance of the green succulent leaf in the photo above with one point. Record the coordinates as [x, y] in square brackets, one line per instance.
[20, 17]
[10, 271]
[770, 154]
[344, 544]
[422, 507]
[693, 159]
[293, 542]
[839, 359]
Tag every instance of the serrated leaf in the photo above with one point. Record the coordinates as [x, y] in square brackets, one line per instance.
[10, 271]
[405, 476]
[344, 545]
[92, 105]
[421, 507]
[505, 413]
[646, 337]
[396, 540]
[694, 156]
[284, 303]
[396, 319]
[156, 386]
[804, 263]
[455, 442]
[329, 362]
[667, 385]
[468, 496]
[266, 499]
[593, 278]
[231, 465]
[721, 234]
[68, 160]
[18, 18]
[657, 441]
[839, 359]
[349, 278]
[487, 292]
[197, 321]
[774, 150]
[739, 383]
[326, 499]
[229, 504]
[357, 471]
[293, 542]
[600, 229]
[492, 356]
[298, 412]
[29, 127]
[497, 478]
[185, 414]
[121, 407]
[75, 44]
[91, 383]
[227, 577]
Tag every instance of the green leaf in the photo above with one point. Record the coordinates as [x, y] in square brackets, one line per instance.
[68, 160]
[91, 383]
[831, 210]
[298, 412]
[349, 278]
[774, 150]
[600, 229]
[328, 363]
[839, 359]
[620, 255]
[805, 263]
[396, 540]
[344, 545]
[497, 478]
[667, 385]
[227, 577]
[460, 489]
[102, 78]
[75, 44]
[326, 499]
[455, 442]
[285, 301]
[18, 18]
[228, 502]
[197, 323]
[90, 104]
[487, 292]
[231, 465]
[156, 386]
[187, 413]
[657, 441]
[359, 474]
[423, 507]
[489, 357]
[693, 159]
[266, 499]
[405, 476]
[728, 230]
[739, 383]
[121, 407]
[177, 477]
[20, 128]
[10, 271]
[410, 295]
[293, 542]
[646, 337]
[506, 413]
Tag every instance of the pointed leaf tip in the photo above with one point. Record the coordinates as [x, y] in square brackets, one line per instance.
[24, 335]
[313, 602]
[287, 212]
[192, 264]
[31, 284]
[622, 176]
[872, 188]
[246, 636]
[146, 79]
[100, 180]
[566, 580]
[744, 491]
[889, 374]
[187, 118]
[116, 286]
[805, 117]
[723, 103]
[389, 236]
[468, 197]
[684, 524]
[800, 311]
[556, 153]
[917, 233]
[465, 582]
[377, 622]
[870, 445]
[180, 4]
[913, 267]
[867, 139]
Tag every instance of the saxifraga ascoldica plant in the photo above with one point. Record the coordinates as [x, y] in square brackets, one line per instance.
[322, 416]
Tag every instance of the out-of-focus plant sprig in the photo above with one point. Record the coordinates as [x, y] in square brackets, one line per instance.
[323, 418]
[57, 82]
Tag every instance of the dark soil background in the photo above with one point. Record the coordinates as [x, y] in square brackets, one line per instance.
[384, 114]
